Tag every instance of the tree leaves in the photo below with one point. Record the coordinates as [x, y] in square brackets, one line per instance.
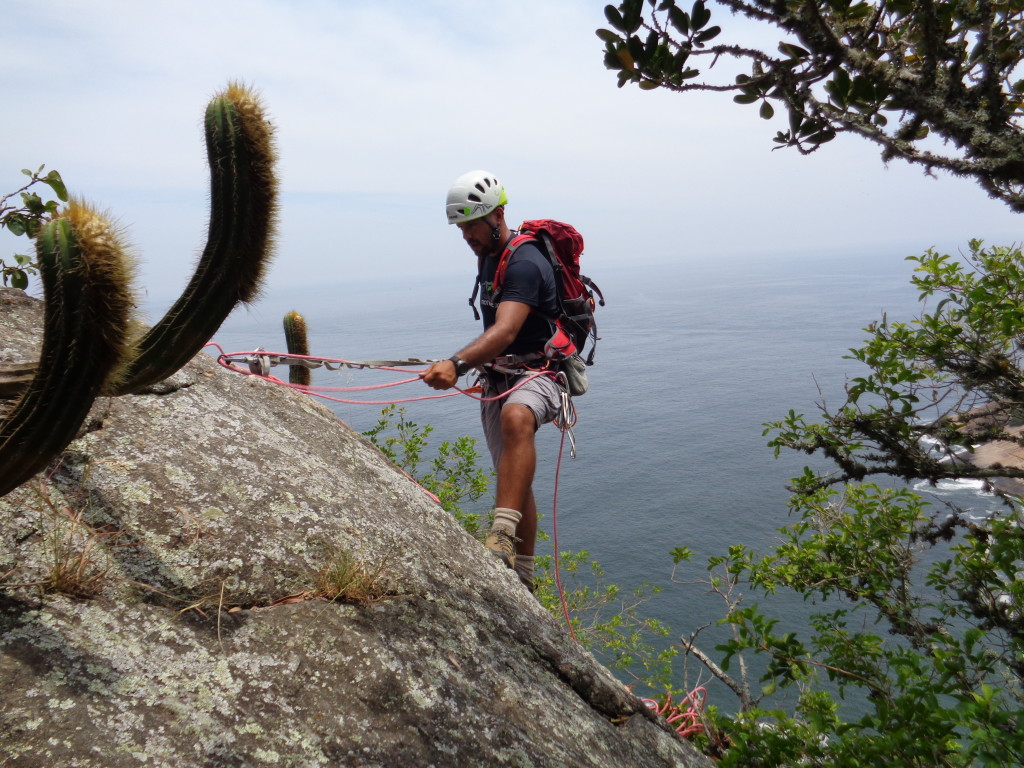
[28, 219]
[654, 61]
[892, 73]
[55, 182]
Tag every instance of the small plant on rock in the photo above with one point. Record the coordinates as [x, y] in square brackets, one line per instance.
[608, 620]
[73, 555]
[347, 579]
[455, 476]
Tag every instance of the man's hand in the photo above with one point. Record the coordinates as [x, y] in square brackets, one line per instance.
[441, 375]
[509, 318]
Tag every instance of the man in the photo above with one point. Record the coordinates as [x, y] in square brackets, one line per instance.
[516, 327]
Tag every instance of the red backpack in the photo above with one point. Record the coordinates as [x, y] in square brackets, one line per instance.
[562, 245]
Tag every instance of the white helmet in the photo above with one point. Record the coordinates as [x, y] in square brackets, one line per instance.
[473, 196]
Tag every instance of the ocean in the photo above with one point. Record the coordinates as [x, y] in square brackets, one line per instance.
[694, 358]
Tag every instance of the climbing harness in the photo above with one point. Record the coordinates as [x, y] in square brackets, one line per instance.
[515, 364]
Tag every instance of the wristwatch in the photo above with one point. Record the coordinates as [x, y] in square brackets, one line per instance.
[461, 366]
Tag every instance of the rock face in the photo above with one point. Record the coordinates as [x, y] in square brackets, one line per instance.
[185, 531]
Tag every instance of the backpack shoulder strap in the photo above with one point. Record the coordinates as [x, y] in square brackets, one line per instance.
[472, 298]
[506, 256]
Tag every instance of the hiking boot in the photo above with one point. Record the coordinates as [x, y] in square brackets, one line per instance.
[502, 545]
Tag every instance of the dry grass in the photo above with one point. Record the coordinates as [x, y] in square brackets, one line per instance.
[347, 579]
[74, 557]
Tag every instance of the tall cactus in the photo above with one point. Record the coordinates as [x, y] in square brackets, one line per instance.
[297, 340]
[85, 280]
[243, 202]
[85, 274]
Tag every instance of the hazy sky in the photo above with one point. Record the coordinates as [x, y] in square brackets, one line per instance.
[380, 104]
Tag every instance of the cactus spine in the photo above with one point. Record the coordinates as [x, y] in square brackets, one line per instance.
[85, 274]
[243, 201]
[297, 340]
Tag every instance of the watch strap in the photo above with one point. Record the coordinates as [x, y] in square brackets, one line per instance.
[461, 366]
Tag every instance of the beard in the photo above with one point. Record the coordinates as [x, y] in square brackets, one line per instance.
[486, 247]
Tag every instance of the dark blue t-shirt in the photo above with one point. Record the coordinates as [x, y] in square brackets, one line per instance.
[529, 279]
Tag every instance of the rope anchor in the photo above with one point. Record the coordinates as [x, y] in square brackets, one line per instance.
[259, 361]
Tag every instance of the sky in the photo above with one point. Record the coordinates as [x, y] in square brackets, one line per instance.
[380, 104]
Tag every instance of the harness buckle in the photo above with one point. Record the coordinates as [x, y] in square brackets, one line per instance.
[514, 363]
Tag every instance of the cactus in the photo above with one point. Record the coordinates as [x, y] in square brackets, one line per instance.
[243, 201]
[85, 275]
[85, 280]
[296, 338]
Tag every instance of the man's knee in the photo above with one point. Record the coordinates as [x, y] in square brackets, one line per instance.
[517, 421]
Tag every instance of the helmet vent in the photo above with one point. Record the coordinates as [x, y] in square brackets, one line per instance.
[474, 198]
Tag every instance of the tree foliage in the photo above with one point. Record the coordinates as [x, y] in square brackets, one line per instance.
[938, 84]
[27, 219]
[935, 387]
[915, 653]
[921, 647]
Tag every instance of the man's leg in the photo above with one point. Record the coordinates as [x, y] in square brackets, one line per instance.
[510, 429]
[527, 530]
[516, 469]
[516, 463]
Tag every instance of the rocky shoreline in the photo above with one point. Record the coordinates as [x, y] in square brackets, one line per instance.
[1002, 453]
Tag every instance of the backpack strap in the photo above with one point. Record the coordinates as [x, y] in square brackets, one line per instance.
[506, 256]
[472, 298]
[499, 272]
[593, 286]
[476, 288]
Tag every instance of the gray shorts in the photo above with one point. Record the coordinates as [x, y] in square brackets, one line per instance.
[541, 395]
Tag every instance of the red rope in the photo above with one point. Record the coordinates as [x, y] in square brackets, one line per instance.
[685, 717]
[318, 391]
[554, 539]
[688, 713]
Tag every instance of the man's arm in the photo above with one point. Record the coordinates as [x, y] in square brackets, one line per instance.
[508, 320]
